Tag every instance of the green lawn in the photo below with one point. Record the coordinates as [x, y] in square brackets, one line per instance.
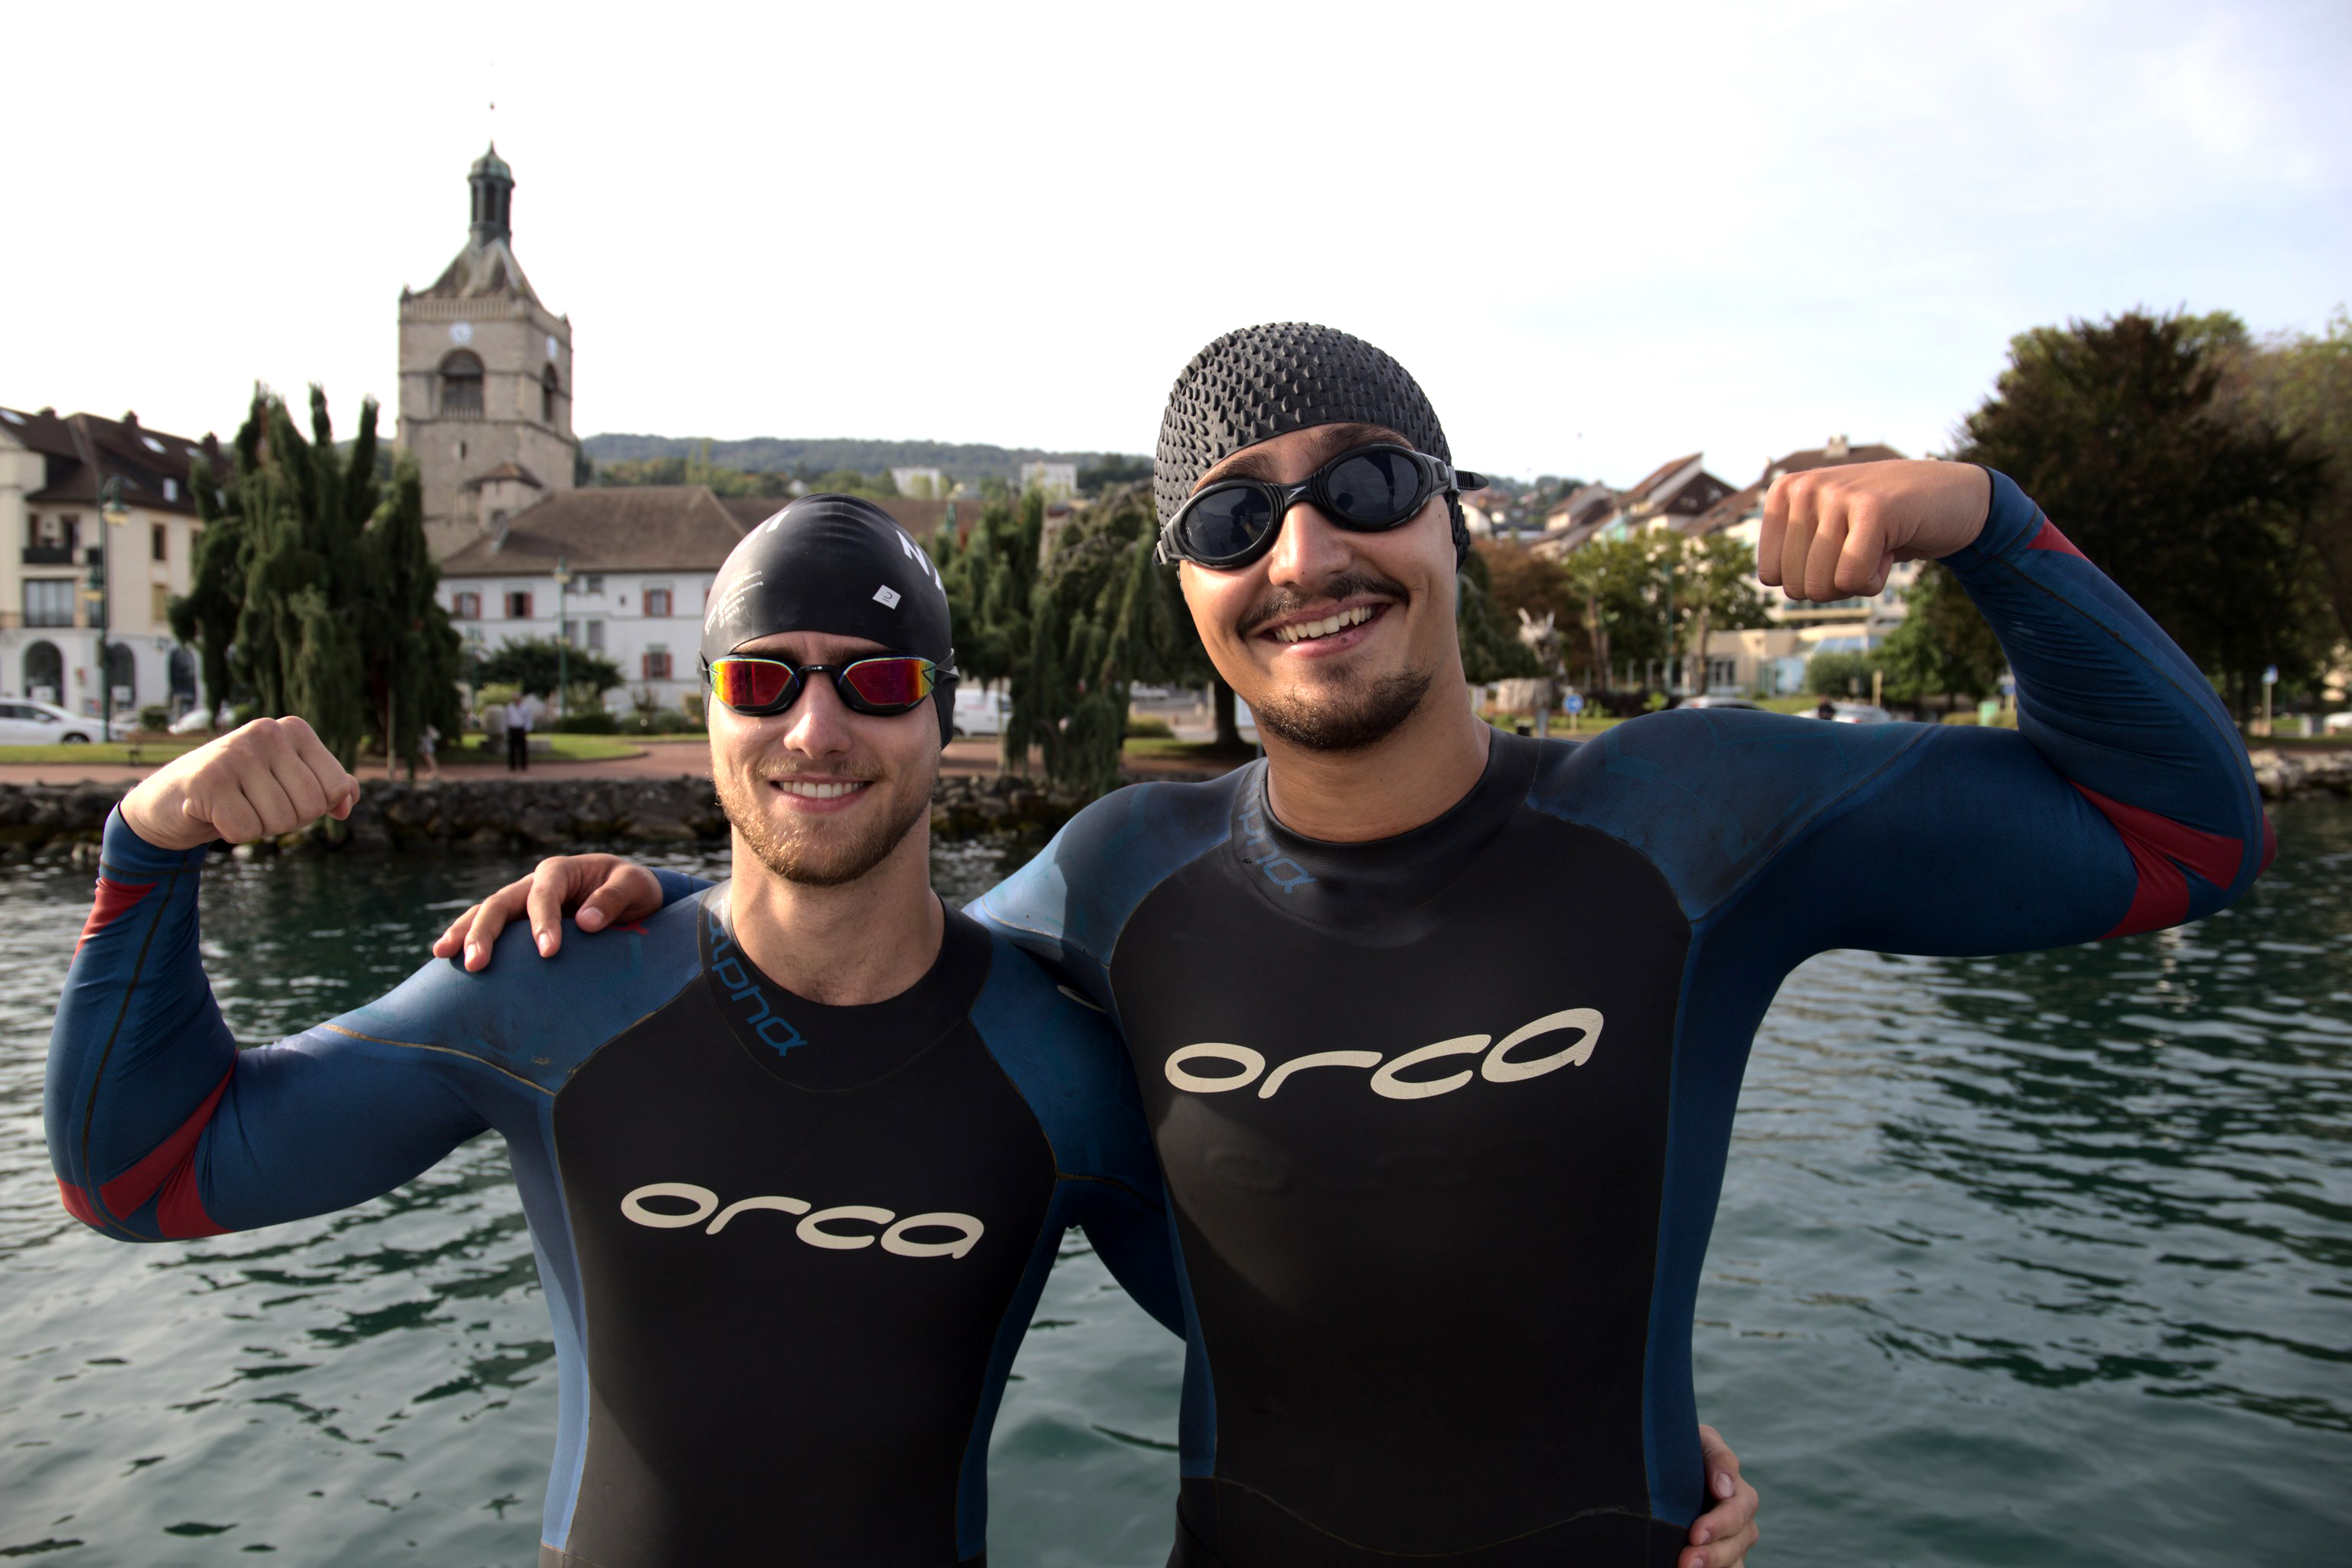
[561, 748]
[1205, 752]
[112, 753]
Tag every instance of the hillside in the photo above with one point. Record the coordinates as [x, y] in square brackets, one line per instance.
[772, 454]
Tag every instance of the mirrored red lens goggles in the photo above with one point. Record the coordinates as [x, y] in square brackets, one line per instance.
[1367, 491]
[887, 684]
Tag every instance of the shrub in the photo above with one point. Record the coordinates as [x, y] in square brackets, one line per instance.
[594, 722]
[155, 716]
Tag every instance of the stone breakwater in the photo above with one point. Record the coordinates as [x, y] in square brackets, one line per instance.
[547, 814]
[524, 814]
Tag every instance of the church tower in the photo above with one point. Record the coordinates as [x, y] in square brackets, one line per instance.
[485, 378]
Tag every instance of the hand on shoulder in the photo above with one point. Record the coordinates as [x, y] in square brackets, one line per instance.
[266, 778]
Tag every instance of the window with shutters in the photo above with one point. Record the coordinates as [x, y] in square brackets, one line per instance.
[657, 664]
[469, 607]
[658, 602]
[518, 605]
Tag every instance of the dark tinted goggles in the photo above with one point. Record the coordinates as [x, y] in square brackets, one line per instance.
[884, 684]
[1367, 491]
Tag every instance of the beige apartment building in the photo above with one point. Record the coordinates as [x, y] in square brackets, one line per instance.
[54, 546]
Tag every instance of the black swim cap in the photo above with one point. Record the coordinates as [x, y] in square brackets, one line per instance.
[1262, 381]
[837, 564]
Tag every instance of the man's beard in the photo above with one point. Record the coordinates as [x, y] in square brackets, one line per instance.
[1362, 715]
[1361, 712]
[815, 858]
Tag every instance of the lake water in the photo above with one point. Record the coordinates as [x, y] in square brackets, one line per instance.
[2035, 1260]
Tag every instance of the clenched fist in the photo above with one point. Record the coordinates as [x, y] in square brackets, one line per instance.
[1834, 533]
[268, 777]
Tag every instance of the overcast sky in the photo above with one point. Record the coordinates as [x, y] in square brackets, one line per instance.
[1599, 243]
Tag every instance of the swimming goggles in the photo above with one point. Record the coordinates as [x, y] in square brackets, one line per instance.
[1368, 489]
[884, 684]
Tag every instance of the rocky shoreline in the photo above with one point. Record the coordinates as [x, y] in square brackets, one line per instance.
[524, 814]
[547, 814]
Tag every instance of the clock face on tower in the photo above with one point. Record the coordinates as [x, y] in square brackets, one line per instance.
[461, 332]
[550, 345]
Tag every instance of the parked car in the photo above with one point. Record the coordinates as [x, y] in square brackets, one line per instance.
[1861, 713]
[23, 722]
[979, 712]
[1711, 699]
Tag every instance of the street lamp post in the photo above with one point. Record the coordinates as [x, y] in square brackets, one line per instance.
[112, 514]
[562, 636]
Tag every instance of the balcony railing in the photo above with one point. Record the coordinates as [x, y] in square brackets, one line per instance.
[48, 556]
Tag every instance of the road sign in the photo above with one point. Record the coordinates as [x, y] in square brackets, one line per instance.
[1573, 703]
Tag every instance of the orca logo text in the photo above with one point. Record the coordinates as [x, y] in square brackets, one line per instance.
[818, 1227]
[1496, 1064]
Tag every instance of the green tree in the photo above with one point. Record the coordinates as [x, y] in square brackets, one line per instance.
[2302, 385]
[1110, 469]
[532, 664]
[312, 587]
[1710, 587]
[1487, 629]
[1943, 646]
[2205, 514]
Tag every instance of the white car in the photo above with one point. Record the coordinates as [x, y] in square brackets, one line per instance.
[979, 712]
[23, 722]
[1861, 713]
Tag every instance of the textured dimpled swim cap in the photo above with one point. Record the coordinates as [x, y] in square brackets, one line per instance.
[839, 564]
[1262, 381]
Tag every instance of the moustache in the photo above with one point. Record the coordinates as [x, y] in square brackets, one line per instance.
[1281, 602]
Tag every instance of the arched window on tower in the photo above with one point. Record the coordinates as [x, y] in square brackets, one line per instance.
[548, 388]
[461, 386]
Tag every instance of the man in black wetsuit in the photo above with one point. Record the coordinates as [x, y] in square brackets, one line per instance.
[1440, 1246]
[796, 1155]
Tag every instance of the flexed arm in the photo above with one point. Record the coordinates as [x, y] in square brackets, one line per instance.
[159, 1128]
[2123, 801]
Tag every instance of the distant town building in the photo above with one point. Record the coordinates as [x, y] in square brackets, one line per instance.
[920, 484]
[1058, 480]
[485, 378]
[53, 469]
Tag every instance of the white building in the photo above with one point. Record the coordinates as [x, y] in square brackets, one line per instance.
[53, 470]
[1058, 480]
[640, 564]
[920, 484]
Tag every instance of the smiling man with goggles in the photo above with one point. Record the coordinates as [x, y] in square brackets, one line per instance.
[1365, 489]
[884, 684]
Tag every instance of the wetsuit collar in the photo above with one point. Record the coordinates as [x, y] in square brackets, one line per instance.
[1363, 884]
[813, 1046]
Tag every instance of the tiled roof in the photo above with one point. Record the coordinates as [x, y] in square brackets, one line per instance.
[649, 528]
[489, 270]
[1819, 458]
[84, 451]
[504, 471]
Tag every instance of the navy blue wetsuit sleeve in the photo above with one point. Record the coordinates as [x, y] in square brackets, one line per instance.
[160, 1128]
[1061, 1053]
[2123, 801]
[677, 885]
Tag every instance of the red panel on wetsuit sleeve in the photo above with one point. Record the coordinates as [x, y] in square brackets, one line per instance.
[114, 901]
[138, 1184]
[2159, 848]
[2051, 539]
[181, 1216]
[78, 1204]
[2270, 845]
